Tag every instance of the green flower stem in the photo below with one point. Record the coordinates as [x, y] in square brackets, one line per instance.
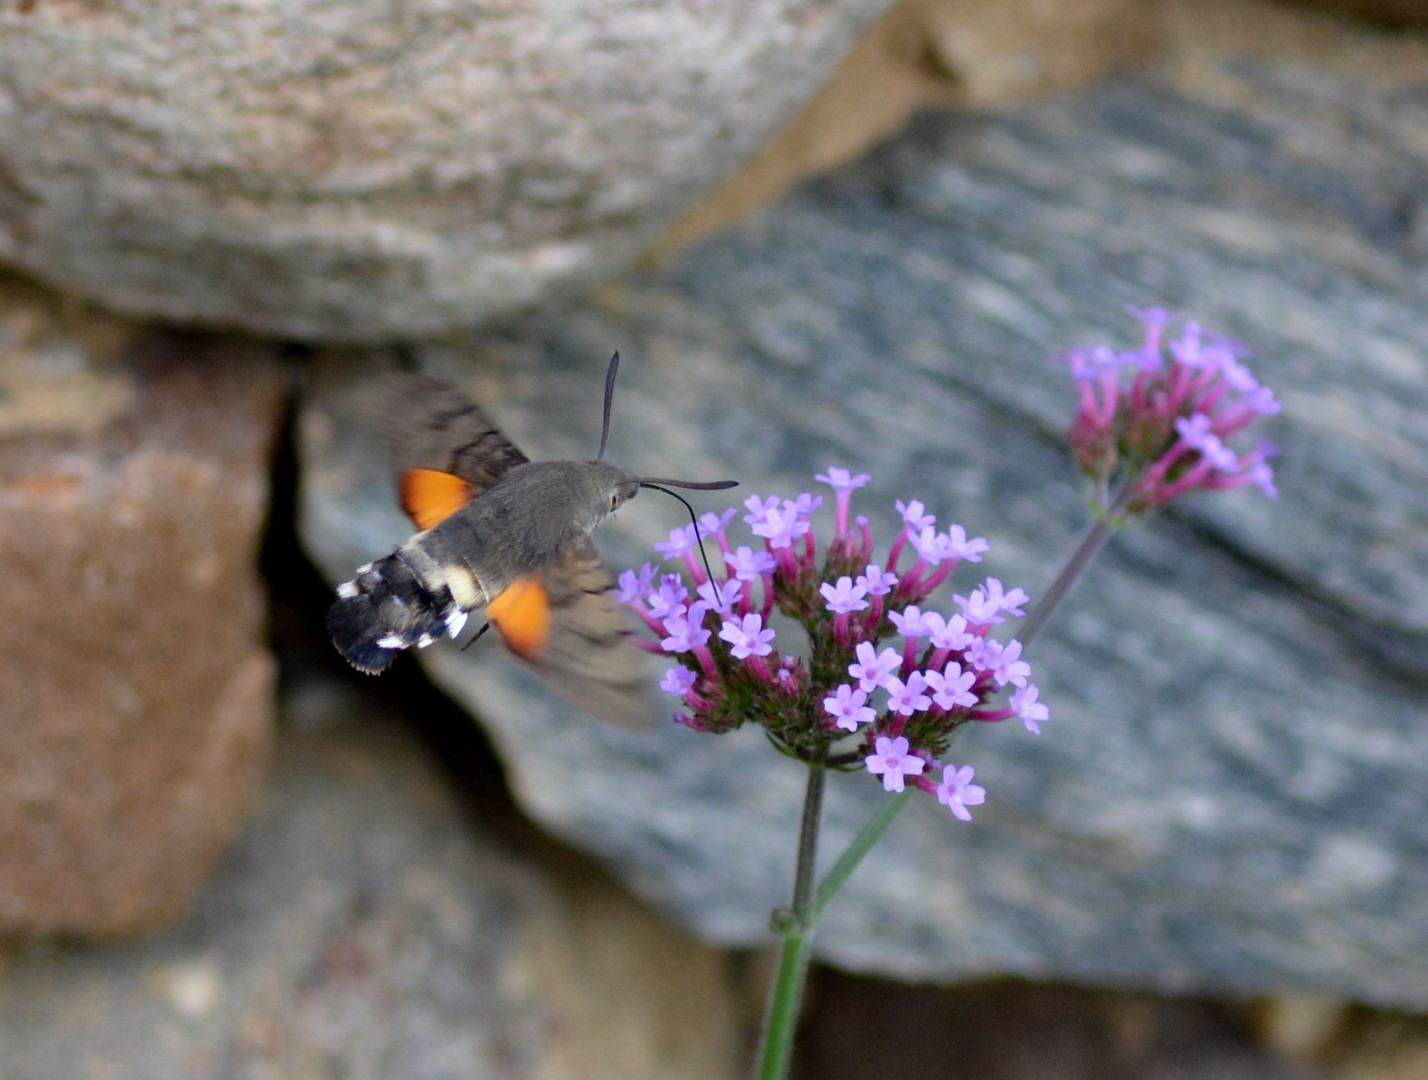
[862, 843]
[802, 910]
[796, 927]
[1090, 543]
[798, 924]
[777, 1052]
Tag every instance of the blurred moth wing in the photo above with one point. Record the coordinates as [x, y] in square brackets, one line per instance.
[496, 534]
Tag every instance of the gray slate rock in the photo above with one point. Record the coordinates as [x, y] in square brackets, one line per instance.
[366, 171]
[1230, 795]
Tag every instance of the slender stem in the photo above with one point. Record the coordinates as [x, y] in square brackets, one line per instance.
[862, 843]
[777, 1052]
[1114, 503]
[808, 846]
[1096, 534]
[796, 927]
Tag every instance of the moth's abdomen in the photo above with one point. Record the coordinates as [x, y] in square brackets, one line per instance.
[390, 605]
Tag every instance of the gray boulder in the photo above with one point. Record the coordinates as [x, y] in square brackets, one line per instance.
[369, 171]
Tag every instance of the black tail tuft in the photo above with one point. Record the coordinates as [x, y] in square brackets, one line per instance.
[355, 630]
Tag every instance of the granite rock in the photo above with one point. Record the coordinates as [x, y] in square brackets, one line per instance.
[358, 171]
[1229, 797]
[135, 715]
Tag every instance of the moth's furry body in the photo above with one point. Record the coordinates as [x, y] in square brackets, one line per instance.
[526, 521]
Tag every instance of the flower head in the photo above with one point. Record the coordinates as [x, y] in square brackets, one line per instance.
[890, 673]
[1158, 422]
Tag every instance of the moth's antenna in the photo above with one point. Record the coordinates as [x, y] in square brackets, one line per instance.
[718, 484]
[609, 400]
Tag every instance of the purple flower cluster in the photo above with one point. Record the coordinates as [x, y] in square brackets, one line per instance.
[1159, 419]
[897, 707]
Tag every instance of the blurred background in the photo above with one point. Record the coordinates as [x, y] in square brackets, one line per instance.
[847, 232]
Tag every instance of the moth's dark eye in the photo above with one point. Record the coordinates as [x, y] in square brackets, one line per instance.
[614, 503]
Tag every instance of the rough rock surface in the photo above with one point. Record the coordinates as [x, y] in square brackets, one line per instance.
[371, 171]
[1230, 795]
[137, 694]
[360, 929]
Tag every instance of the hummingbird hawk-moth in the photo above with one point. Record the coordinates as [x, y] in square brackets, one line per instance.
[505, 536]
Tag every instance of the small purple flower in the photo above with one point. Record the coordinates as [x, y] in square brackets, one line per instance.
[1186, 349]
[957, 792]
[872, 668]
[1010, 602]
[1261, 400]
[747, 637]
[678, 680]
[681, 542]
[1023, 702]
[805, 504]
[932, 547]
[906, 698]
[979, 608]
[959, 547]
[1236, 374]
[849, 708]
[951, 634]
[843, 484]
[876, 582]
[720, 597]
[913, 516]
[844, 596]
[713, 525]
[841, 480]
[911, 622]
[1007, 667]
[781, 526]
[684, 631]
[746, 564]
[635, 587]
[758, 508]
[952, 686]
[984, 654]
[890, 760]
[1195, 430]
[668, 599]
[1259, 473]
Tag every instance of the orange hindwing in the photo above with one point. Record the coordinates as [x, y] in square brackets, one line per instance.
[430, 497]
[521, 615]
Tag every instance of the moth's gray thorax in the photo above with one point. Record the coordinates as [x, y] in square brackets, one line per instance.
[532, 515]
